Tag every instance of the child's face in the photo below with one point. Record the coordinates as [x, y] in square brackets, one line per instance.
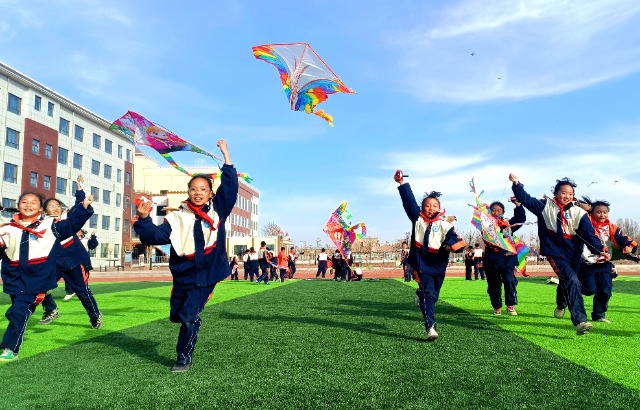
[430, 207]
[404, 246]
[601, 213]
[30, 207]
[496, 211]
[53, 209]
[199, 192]
[564, 195]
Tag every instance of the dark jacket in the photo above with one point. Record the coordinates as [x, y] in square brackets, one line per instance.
[496, 257]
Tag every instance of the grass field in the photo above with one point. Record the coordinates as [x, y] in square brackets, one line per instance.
[328, 345]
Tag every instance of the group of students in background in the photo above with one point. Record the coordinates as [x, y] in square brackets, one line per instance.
[263, 265]
[576, 237]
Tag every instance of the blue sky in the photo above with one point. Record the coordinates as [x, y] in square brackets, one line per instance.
[446, 91]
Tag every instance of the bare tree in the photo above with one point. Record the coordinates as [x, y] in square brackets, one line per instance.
[629, 227]
[271, 229]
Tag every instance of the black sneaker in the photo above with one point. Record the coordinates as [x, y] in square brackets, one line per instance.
[97, 322]
[180, 368]
[49, 317]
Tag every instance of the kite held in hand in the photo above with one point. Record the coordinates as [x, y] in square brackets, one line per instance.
[307, 80]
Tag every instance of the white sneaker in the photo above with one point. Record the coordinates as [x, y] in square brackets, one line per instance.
[583, 328]
[603, 320]
[68, 297]
[432, 334]
[558, 313]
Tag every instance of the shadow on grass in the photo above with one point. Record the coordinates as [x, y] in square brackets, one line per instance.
[144, 348]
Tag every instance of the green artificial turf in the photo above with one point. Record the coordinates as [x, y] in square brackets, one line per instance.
[323, 345]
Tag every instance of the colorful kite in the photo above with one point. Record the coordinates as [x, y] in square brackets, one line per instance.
[489, 226]
[306, 79]
[341, 233]
[141, 131]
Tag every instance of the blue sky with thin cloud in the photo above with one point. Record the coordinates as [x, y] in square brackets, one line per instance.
[446, 91]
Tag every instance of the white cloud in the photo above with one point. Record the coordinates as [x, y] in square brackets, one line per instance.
[520, 49]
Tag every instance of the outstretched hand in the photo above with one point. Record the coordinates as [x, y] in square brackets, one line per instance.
[144, 209]
[87, 201]
[399, 177]
[224, 149]
[513, 178]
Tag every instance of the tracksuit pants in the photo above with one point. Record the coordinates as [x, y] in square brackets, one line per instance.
[185, 308]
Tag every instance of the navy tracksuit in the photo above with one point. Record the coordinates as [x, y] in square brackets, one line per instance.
[563, 233]
[194, 275]
[499, 267]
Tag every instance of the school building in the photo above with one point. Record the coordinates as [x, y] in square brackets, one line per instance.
[48, 141]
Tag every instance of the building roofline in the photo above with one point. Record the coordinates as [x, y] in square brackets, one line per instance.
[31, 83]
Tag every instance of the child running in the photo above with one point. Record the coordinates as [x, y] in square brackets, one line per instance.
[498, 264]
[73, 265]
[198, 258]
[432, 239]
[563, 229]
[29, 250]
[596, 274]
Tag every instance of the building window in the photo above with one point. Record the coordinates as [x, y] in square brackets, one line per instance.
[116, 225]
[108, 146]
[105, 222]
[64, 126]
[34, 179]
[96, 193]
[78, 133]
[37, 103]
[50, 109]
[119, 175]
[127, 201]
[35, 147]
[9, 203]
[116, 250]
[104, 248]
[118, 199]
[13, 137]
[63, 156]
[127, 178]
[120, 151]
[61, 185]
[10, 172]
[93, 221]
[47, 182]
[106, 196]
[107, 171]
[77, 161]
[47, 151]
[14, 104]
[125, 227]
[95, 167]
[96, 141]
[128, 158]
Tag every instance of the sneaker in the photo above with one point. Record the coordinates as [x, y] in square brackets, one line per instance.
[583, 327]
[432, 334]
[497, 312]
[49, 317]
[97, 322]
[558, 313]
[603, 320]
[8, 355]
[68, 297]
[180, 368]
[511, 310]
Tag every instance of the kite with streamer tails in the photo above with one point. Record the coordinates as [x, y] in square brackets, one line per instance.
[307, 80]
[491, 233]
[340, 232]
[141, 131]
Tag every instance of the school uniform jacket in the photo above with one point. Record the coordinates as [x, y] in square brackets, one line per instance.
[612, 236]
[29, 259]
[428, 239]
[73, 253]
[560, 237]
[496, 257]
[198, 256]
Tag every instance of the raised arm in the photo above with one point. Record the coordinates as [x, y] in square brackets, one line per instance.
[532, 204]
[149, 233]
[519, 215]
[227, 192]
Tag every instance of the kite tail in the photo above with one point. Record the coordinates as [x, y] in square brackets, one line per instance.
[245, 177]
[327, 117]
[522, 251]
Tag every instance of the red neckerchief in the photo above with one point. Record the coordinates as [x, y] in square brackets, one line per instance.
[563, 218]
[502, 223]
[599, 224]
[16, 223]
[203, 215]
[434, 218]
